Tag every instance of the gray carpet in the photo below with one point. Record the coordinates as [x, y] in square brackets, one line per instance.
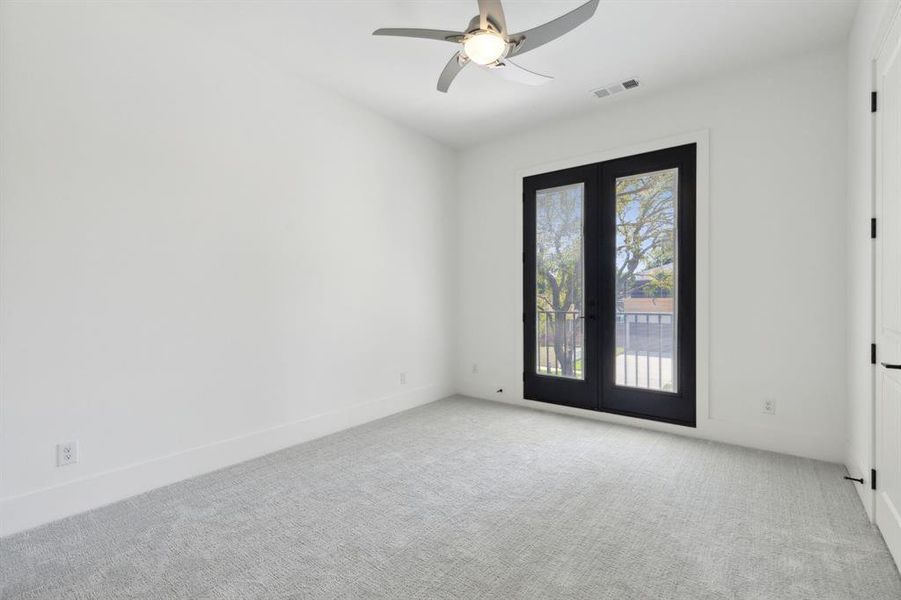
[471, 499]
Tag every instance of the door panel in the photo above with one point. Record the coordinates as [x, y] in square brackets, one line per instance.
[888, 453]
[560, 365]
[648, 283]
[888, 292]
[609, 286]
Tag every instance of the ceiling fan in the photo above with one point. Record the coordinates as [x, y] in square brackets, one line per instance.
[487, 43]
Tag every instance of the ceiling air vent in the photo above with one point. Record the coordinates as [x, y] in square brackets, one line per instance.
[616, 88]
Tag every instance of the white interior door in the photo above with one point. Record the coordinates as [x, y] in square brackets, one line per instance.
[888, 291]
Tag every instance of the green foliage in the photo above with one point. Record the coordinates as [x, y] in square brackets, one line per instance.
[559, 249]
[659, 284]
[645, 241]
[559, 271]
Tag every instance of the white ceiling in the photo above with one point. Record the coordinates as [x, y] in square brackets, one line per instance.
[661, 42]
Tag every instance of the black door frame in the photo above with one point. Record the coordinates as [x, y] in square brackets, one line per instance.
[598, 391]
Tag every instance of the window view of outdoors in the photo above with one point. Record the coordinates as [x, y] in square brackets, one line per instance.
[645, 280]
[560, 279]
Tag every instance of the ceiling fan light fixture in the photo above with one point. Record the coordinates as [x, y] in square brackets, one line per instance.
[484, 47]
[487, 43]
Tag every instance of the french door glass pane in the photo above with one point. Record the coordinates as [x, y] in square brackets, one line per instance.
[560, 281]
[646, 266]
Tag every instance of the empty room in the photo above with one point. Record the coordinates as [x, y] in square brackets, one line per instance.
[438, 299]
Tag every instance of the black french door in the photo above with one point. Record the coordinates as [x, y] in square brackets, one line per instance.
[609, 286]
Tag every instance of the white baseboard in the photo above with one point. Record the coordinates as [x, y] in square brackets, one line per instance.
[867, 497]
[29, 510]
[750, 436]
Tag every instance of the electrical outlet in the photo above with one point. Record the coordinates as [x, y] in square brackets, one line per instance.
[475, 368]
[66, 453]
[403, 379]
[769, 406]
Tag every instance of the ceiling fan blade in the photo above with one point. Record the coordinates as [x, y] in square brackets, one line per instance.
[538, 36]
[513, 72]
[426, 34]
[491, 11]
[454, 66]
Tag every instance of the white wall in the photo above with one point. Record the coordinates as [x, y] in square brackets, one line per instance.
[868, 27]
[203, 259]
[776, 246]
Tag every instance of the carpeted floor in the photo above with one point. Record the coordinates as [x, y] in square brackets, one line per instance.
[471, 499]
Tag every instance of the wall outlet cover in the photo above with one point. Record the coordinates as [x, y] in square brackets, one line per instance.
[66, 453]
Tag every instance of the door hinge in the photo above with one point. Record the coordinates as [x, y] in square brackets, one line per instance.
[872, 479]
[873, 228]
[874, 104]
[872, 354]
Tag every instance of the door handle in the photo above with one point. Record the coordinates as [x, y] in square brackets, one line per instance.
[889, 366]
